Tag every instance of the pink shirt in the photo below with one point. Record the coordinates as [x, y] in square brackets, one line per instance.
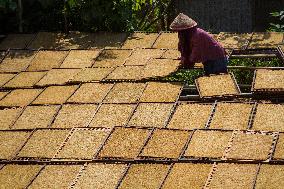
[204, 47]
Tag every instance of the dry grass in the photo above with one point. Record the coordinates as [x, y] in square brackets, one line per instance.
[217, 85]
[25, 79]
[55, 95]
[234, 40]
[269, 117]
[160, 67]
[125, 93]
[11, 142]
[112, 58]
[43, 143]
[56, 176]
[3, 94]
[231, 116]
[110, 115]
[8, 117]
[270, 176]
[72, 115]
[91, 74]
[234, 176]
[209, 144]
[279, 151]
[103, 176]
[166, 144]
[167, 41]
[140, 57]
[36, 117]
[161, 92]
[18, 176]
[15, 41]
[80, 58]
[90, 93]
[58, 77]
[124, 143]
[83, 144]
[20, 97]
[266, 39]
[151, 115]
[142, 40]
[190, 116]
[126, 73]
[46, 60]
[171, 54]
[47, 40]
[184, 175]
[269, 79]
[4, 78]
[16, 61]
[250, 146]
[146, 176]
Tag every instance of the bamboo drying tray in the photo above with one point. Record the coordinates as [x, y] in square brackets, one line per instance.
[279, 150]
[4, 78]
[74, 115]
[217, 86]
[250, 146]
[47, 40]
[83, 144]
[18, 176]
[270, 176]
[160, 68]
[190, 116]
[234, 40]
[101, 175]
[183, 175]
[20, 97]
[80, 58]
[124, 143]
[208, 144]
[110, 115]
[16, 60]
[56, 176]
[171, 54]
[16, 41]
[269, 117]
[151, 115]
[231, 116]
[36, 117]
[90, 93]
[8, 117]
[55, 95]
[161, 92]
[11, 142]
[3, 94]
[91, 75]
[43, 144]
[125, 93]
[125, 73]
[140, 57]
[139, 39]
[165, 144]
[25, 80]
[112, 58]
[268, 80]
[233, 176]
[108, 39]
[58, 77]
[46, 60]
[77, 40]
[167, 41]
[266, 39]
[144, 176]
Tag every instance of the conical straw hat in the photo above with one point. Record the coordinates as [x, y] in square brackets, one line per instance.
[182, 22]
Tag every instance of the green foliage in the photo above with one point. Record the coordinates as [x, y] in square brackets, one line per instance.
[279, 26]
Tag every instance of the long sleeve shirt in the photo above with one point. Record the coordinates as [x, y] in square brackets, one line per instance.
[203, 48]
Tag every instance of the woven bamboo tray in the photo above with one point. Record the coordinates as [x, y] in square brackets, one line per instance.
[8, 117]
[139, 39]
[46, 60]
[80, 59]
[112, 58]
[47, 40]
[16, 41]
[167, 41]
[4, 78]
[140, 57]
[266, 39]
[91, 75]
[125, 73]
[25, 80]
[279, 150]
[171, 54]
[108, 39]
[3, 94]
[55, 95]
[234, 40]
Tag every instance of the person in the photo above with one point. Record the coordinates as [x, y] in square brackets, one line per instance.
[196, 45]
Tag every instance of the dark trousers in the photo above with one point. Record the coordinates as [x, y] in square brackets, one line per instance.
[216, 66]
